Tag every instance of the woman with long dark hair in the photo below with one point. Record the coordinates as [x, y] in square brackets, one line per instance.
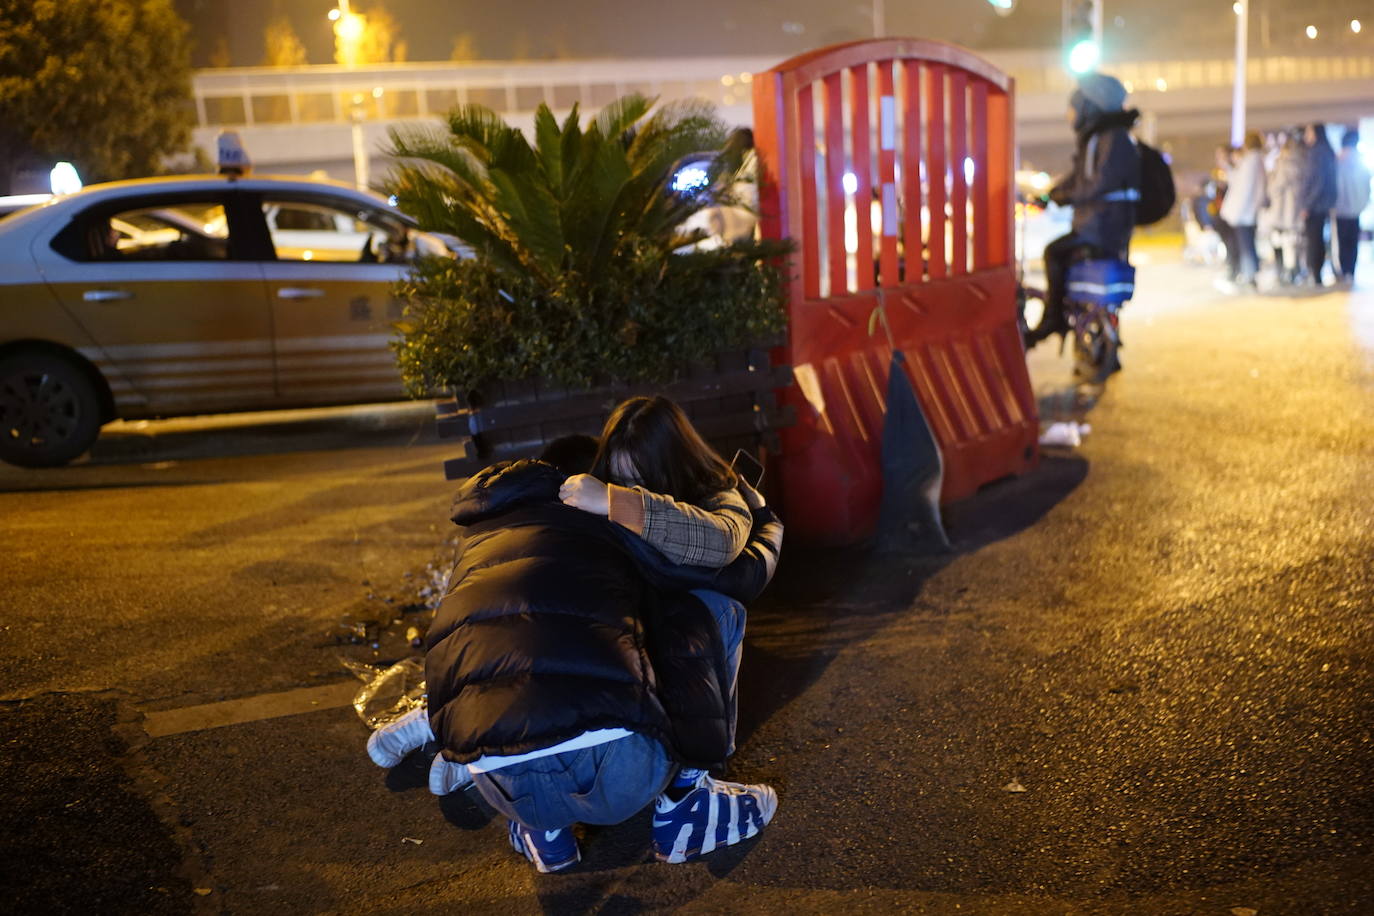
[655, 476]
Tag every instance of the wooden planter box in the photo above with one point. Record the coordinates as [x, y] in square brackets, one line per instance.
[732, 403]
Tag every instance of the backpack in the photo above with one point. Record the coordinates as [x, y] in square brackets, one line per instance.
[1156, 186]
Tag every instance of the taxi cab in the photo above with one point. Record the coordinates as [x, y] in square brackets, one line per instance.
[197, 294]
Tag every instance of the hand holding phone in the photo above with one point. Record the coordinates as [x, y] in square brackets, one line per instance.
[747, 468]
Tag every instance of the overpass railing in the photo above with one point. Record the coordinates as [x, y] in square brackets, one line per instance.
[330, 94]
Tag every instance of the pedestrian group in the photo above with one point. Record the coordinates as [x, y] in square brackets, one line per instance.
[1291, 193]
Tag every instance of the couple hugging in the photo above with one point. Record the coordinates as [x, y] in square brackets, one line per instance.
[584, 662]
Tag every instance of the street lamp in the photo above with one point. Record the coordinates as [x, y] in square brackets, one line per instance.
[349, 28]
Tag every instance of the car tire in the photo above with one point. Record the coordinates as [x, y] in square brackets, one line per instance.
[49, 410]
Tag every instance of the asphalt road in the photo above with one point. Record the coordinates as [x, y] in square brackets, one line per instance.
[1163, 637]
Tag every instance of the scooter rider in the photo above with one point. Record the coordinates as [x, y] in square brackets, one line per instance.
[1102, 188]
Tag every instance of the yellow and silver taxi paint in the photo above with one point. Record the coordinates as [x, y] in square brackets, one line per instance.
[187, 336]
[184, 337]
[29, 312]
[332, 324]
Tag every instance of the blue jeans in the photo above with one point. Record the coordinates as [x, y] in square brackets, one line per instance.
[1246, 253]
[730, 618]
[604, 784]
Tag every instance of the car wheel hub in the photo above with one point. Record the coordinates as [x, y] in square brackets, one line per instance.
[37, 410]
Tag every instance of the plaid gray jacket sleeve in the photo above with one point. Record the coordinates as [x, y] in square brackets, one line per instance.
[711, 534]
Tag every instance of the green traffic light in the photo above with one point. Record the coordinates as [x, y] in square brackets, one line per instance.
[1084, 55]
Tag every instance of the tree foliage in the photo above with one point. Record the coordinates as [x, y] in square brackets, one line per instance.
[379, 41]
[105, 84]
[382, 42]
[582, 269]
[281, 45]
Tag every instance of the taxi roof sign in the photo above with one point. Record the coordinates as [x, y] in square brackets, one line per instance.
[233, 158]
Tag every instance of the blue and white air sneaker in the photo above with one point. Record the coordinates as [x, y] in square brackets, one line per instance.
[549, 850]
[388, 745]
[714, 814]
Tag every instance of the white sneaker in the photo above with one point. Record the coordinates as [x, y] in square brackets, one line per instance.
[446, 777]
[388, 745]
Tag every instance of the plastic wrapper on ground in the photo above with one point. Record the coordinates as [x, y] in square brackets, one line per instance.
[388, 693]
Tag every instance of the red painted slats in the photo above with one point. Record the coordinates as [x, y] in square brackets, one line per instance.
[863, 174]
[813, 65]
[806, 169]
[836, 257]
[958, 177]
[1001, 168]
[887, 179]
[913, 241]
[979, 132]
[936, 169]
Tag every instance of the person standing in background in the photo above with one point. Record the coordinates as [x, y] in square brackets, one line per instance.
[1284, 213]
[1352, 196]
[1317, 198]
[1221, 174]
[1240, 209]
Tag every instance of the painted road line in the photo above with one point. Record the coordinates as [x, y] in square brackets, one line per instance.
[166, 722]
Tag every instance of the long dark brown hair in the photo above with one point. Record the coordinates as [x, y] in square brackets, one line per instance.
[667, 451]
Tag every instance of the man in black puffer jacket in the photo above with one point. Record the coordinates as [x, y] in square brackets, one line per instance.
[570, 673]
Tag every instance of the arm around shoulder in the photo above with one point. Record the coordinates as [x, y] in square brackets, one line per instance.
[711, 534]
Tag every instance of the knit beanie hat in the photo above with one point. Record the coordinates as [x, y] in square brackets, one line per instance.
[1102, 92]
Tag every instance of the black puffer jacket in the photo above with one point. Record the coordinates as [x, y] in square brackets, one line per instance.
[556, 622]
[541, 636]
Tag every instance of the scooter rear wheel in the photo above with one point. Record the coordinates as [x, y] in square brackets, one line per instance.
[1094, 348]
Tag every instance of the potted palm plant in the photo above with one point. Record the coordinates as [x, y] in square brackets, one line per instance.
[584, 284]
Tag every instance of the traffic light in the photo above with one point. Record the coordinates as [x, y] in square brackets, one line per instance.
[1082, 35]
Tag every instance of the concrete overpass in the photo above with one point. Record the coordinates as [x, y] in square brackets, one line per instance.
[302, 119]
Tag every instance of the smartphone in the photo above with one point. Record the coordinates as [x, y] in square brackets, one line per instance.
[747, 467]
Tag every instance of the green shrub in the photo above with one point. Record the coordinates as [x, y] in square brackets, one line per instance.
[575, 276]
[469, 322]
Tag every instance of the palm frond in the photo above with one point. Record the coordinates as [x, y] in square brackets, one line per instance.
[619, 116]
[548, 146]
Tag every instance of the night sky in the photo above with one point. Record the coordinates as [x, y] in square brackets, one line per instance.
[542, 29]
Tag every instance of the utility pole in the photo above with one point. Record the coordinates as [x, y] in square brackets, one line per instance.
[1097, 25]
[1242, 11]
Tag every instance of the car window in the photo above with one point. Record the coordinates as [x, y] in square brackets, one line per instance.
[178, 231]
[315, 219]
[333, 231]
